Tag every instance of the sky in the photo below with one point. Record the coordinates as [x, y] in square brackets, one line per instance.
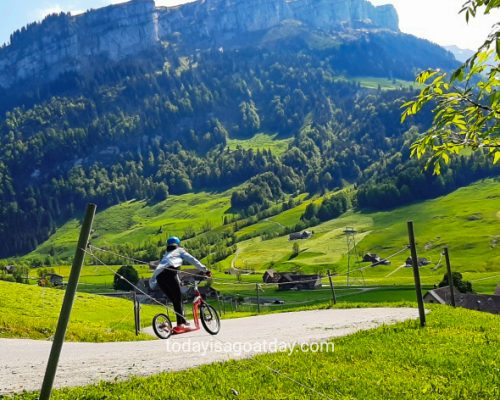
[436, 20]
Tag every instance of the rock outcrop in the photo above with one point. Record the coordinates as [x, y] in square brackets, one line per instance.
[225, 19]
[64, 42]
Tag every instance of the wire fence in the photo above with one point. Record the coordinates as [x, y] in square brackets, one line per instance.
[287, 282]
[268, 367]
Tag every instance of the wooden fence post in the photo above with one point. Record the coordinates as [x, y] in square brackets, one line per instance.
[258, 300]
[416, 273]
[69, 297]
[137, 314]
[450, 275]
[334, 298]
[218, 302]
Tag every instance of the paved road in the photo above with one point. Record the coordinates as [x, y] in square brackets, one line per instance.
[22, 362]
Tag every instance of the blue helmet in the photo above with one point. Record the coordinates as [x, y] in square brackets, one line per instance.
[173, 240]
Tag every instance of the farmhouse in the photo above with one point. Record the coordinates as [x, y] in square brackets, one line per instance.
[10, 269]
[300, 235]
[292, 280]
[471, 301]
[50, 280]
[421, 262]
[271, 276]
[375, 259]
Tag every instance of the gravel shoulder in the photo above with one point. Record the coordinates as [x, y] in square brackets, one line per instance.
[22, 362]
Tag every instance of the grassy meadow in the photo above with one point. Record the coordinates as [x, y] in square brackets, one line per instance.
[137, 222]
[467, 220]
[29, 311]
[454, 357]
[261, 141]
[385, 83]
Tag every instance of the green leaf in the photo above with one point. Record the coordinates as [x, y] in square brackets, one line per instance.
[494, 99]
[445, 158]
[458, 74]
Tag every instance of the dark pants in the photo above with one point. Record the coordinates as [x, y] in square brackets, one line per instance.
[169, 282]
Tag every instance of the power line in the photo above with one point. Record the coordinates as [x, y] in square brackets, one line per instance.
[484, 279]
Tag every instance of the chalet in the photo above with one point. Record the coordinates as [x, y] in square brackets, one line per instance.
[292, 280]
[421, 262]
[300, 235]
[471, 301]
[10, 269]
[51, 280]
[143, 287]
[375, 259]
[271, 276]
[55, 280]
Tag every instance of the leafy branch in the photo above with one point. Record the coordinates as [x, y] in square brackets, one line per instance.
[466, 103]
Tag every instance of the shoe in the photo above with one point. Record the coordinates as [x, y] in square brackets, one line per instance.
[181, 329]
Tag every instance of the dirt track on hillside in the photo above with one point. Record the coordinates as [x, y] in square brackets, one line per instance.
[22, 362]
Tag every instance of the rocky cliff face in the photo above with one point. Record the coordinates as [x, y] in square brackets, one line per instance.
[72, 43]
[223, 19]
[67, 43]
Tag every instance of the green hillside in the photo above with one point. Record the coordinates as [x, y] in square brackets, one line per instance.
[466, 220]
[134, 222]
[261, 141]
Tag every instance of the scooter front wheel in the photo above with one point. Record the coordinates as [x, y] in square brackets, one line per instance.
[209, 319]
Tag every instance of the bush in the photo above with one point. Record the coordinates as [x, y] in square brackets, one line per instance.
[458, 282]
[130, 274]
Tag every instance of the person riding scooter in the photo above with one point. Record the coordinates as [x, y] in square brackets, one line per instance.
[166, 276]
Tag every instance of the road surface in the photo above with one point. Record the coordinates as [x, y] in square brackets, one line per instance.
[22, 362]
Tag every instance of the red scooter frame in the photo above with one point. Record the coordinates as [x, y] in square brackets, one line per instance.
[203, 311]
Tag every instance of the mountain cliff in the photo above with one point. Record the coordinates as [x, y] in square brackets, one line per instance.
[63, 42]
[135, 101]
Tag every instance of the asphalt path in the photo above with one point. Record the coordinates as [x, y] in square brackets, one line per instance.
[23, 362]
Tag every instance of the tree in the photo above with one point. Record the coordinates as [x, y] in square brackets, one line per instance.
[458, 282]
[129, 274]
[161, 192]
[467, 110]
[295, 250]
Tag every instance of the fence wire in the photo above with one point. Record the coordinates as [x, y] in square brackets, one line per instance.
[276, 371]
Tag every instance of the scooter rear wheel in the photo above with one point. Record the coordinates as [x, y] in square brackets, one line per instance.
[162, 326]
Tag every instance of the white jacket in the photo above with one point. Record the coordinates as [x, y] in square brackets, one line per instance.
[174, 259]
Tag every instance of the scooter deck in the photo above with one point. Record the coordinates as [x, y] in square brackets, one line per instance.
[177, 330]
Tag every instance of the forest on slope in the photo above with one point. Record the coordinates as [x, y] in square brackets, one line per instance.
[160, 126]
